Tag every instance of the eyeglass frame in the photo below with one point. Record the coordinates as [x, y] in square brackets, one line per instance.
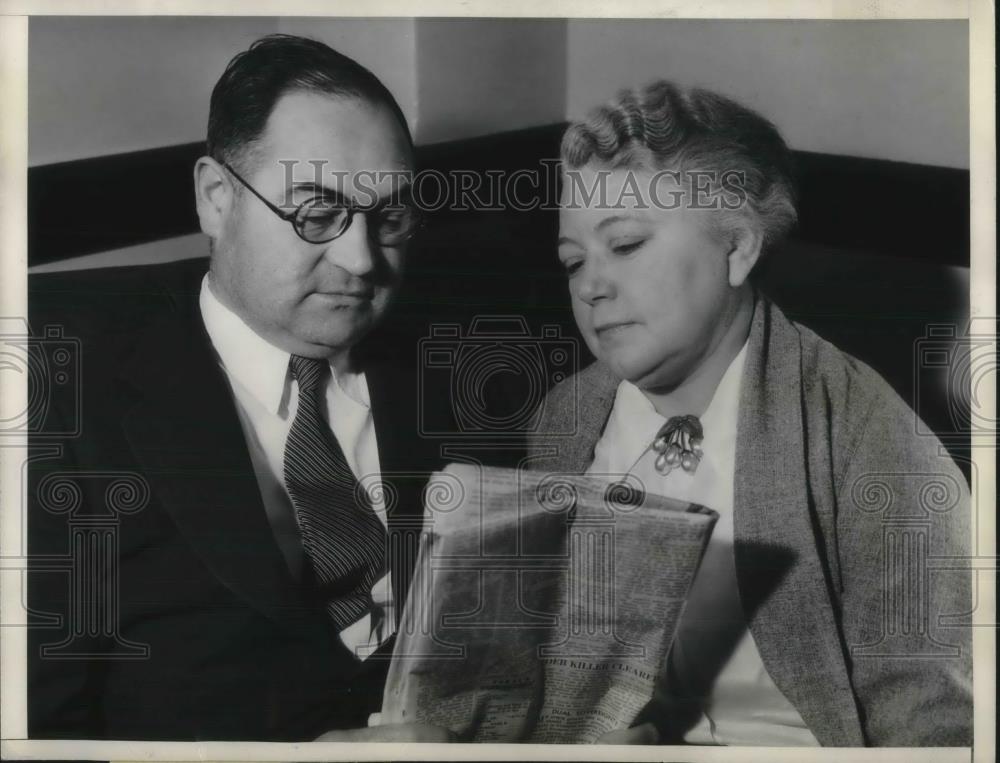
[350, 209]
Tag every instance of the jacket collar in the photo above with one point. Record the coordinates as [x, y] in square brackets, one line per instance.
[590, 404]
[185, 431]
[406, 459]
[781, 579]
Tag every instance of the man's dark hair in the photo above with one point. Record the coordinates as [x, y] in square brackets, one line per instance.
[271, 67]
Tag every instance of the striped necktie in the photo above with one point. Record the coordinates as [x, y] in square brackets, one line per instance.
[343, 538]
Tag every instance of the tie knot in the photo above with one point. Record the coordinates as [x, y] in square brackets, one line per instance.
[308, 372]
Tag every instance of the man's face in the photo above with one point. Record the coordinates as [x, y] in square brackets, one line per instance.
[316, 300]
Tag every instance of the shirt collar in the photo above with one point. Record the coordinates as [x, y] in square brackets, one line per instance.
[251, 361]
[721, 414]
[256, 364]
[636, 420]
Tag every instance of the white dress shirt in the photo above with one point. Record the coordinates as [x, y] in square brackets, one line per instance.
[713, 656]
[266, 400]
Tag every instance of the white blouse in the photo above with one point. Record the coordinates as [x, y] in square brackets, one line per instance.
[714, 659]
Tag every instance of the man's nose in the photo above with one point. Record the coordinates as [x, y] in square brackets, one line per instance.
[593, 283]
[353, 250]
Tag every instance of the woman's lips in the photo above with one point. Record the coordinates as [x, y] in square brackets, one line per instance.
[610, 329]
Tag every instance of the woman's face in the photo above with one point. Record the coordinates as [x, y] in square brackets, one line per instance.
[649, 283]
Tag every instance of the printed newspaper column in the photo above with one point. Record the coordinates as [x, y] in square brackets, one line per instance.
[550, 603]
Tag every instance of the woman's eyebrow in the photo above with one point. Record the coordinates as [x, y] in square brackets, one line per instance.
[616, 219]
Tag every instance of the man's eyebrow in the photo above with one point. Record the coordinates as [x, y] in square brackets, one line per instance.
[566, 240]
[319, 190]
[401, 192]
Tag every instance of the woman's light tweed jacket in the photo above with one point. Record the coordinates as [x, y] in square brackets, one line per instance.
[830, 475]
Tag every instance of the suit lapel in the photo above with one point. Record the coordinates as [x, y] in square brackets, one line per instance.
[781, 579]
[186, 433]
[405, 462]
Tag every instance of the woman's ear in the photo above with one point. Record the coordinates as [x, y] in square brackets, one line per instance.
[213, 195]
[746, 245]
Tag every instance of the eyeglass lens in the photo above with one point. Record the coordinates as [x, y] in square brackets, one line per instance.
[318, 220]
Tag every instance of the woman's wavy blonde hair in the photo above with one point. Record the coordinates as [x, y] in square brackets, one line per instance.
[664, 126]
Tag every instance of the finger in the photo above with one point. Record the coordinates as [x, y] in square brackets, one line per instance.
[393, 732]
[645, 733]
[410, 732]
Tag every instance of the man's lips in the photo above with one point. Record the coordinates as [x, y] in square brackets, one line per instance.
[345, 294]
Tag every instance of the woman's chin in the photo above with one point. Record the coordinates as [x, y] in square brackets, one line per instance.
[631, 369]
[650, 378]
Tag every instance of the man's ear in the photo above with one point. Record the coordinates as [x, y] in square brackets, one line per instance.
[746, 245]
[213, 194]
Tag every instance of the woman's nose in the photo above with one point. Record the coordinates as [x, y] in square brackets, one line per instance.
[594, 284]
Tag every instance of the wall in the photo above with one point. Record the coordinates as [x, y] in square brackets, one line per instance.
[896, 90]
[480, 76]
[880, 89]
[164, 250]
[109, 85]
[103, 86]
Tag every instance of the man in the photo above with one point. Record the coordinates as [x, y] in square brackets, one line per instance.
[257, 576]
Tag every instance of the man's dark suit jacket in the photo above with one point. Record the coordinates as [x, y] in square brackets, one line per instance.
[236, 648]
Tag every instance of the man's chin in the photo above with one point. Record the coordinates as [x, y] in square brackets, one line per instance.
[323, 341]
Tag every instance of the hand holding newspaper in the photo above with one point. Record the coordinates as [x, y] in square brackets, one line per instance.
[542, 606]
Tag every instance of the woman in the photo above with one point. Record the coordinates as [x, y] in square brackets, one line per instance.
[802, 627]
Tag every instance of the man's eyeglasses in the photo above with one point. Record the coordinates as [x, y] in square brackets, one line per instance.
[320, 220]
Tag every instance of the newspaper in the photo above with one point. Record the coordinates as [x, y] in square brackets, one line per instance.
[543, 605]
